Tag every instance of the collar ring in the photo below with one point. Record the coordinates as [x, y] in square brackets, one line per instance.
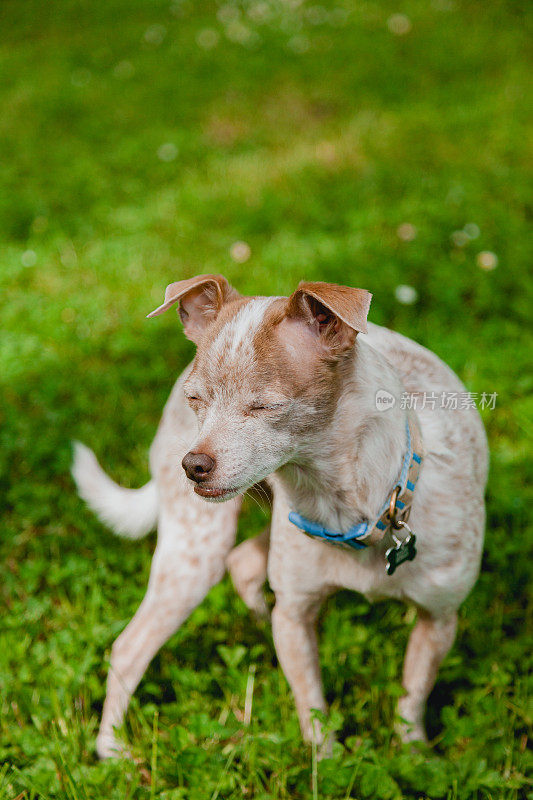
[393, 510]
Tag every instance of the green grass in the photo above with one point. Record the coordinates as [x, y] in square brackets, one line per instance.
[312, 135]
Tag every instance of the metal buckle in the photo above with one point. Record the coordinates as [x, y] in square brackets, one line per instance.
[393, 511]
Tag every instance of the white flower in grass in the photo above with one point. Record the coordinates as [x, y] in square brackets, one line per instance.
[227, 14]
[28, 258]
[124, 70]
[406, 232]
[399, 24]
[407, 295]
[155, 34]
[460, 238]
[207, 38]
[240, 252]
[487, 260]
[240, 34]
[472, 230]
[260, 12]
[299, 44]
[167, 152]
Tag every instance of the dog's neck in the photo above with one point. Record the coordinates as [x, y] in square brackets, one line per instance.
[344, 472]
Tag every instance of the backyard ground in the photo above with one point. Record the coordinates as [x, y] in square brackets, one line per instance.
[378, 144]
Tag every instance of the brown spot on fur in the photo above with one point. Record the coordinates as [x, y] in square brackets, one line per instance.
[289, 358]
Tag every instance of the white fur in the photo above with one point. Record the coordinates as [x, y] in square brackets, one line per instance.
[235, 339]
[131, 513]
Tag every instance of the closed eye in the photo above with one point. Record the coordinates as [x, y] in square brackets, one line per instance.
[265, 406]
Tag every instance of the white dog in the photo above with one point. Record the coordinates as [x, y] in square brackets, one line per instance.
[285, 389]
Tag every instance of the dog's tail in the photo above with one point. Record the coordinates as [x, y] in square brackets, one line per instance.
[131, 513]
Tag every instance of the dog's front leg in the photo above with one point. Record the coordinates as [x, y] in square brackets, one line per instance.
[295, 638]
[297, 576]
[430, 640]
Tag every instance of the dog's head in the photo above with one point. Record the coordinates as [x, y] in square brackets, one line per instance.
[266, 377]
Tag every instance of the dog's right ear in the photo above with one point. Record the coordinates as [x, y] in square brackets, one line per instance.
[200, 299]
[336, 314]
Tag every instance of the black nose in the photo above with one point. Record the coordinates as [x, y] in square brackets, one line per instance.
[198, 466]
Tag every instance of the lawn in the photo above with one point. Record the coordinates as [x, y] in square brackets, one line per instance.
[374, 143]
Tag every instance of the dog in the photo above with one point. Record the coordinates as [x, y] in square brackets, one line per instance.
[388, 502]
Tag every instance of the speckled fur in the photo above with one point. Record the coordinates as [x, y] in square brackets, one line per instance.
[330, 455]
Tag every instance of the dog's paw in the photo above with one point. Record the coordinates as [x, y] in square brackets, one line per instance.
[108, 746]
[258, 606]
[411, 733]
[325, 748]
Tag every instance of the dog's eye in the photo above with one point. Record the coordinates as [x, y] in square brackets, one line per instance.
[265, 406]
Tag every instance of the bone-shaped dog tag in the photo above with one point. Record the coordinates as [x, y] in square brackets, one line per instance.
[402, 551]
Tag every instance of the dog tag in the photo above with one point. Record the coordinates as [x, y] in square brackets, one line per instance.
[402, 551]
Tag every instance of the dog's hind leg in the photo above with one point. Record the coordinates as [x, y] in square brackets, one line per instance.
[247, 565]
[430, 641]
[189, 559]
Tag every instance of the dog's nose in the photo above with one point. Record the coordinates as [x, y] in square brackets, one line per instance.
[198, 466]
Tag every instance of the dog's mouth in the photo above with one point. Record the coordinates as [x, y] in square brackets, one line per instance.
[215, 492]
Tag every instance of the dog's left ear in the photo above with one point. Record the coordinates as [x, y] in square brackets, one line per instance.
[335, 313]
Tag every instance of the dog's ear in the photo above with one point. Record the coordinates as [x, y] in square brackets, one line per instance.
[335, 313]
[200, 299]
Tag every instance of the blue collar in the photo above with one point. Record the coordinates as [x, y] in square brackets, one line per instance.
[367, 530]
